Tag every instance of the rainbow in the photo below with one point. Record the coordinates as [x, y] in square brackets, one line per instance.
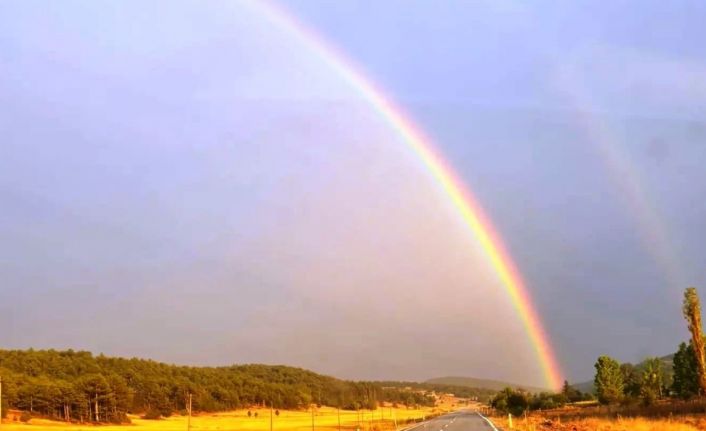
[467, 206]
[650, 224]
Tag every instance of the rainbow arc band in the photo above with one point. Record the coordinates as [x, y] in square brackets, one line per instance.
[467, 206]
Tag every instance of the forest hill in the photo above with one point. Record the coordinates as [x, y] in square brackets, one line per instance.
[77, 386]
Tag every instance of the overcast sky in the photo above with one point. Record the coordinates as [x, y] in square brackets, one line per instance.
[189, 182]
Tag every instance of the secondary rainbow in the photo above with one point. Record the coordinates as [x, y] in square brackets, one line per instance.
[650, 223]
[468, 207]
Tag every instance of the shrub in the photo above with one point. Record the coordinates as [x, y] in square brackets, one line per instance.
[152, 414]
[25, 417]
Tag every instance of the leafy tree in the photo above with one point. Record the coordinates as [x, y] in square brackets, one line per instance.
[652, 380]
[692, 313]
[632, 380]
[608, 380]
[548, 400]
[511, 401]
[571, 394]
[685, 384]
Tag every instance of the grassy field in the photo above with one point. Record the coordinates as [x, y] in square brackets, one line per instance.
[542, 423]
[325, 419]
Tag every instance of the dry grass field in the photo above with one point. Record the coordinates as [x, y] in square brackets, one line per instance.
[325, 419]
[539, 423]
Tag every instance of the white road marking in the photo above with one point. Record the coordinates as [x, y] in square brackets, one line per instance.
[488, 420]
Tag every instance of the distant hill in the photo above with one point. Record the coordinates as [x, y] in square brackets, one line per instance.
[472, 382]
[585, 387]
[72, 385]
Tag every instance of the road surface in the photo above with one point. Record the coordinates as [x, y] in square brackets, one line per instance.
[457, 421]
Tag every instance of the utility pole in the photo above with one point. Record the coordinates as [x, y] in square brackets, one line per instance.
[0, 399]
[188, 424]
[312, 418]
[338, 410]
[270, 416]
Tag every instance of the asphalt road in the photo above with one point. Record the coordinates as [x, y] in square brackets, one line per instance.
[457, 421]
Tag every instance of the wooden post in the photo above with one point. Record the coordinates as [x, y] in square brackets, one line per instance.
[0, 399]
[509, 420]
[338, 410]
[188, 423]
[312, 418]
[271, 417]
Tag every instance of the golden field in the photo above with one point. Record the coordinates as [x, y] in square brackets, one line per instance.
[325, 418]
[536, 423]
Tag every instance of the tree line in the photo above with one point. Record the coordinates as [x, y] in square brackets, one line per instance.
[518, 401]
[478, 394]
[78, 386]
[624, 383]
[652, 379]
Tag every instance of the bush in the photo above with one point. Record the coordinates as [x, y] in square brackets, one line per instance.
[152, 414]
[120, 419]
[511, 401]
[25, 417]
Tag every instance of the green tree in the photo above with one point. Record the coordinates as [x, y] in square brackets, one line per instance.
[686, 375]
[571, 394]
[608, 380]
[547, 400]
[511, 401]
[692, 313]
[652, 380]
[632, 381]
[96, 390]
